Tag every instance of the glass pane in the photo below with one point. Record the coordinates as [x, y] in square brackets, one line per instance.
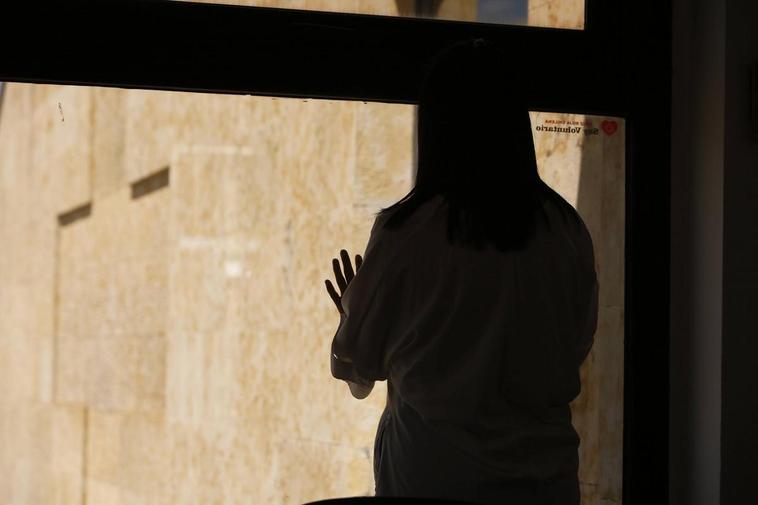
[164, 325]
[545, 13]
[582, 157]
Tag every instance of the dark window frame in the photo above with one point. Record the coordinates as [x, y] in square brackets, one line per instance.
[620, 64]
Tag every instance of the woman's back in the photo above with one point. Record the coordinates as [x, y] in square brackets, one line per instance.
[481, 352]
[482, 357]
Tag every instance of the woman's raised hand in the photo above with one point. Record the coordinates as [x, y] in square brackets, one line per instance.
[342, 281]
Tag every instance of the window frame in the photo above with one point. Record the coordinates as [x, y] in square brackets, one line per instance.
[619, 65]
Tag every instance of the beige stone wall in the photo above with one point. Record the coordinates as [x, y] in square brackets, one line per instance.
[165, 349]
[543, 13]
[556, 14]
[173, 348]
[376, 7]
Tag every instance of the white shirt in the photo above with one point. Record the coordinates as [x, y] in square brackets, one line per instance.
[484, 345]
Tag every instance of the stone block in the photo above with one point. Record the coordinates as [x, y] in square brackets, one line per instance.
[318, 166]
[326, 469]
[68, 429]
[556, 14]
[62, 142]
[37, 266]
[226, 240]
[149, 131]
[159, 121]
[228, 192]
[104, 446]
[126, 373]
[19, 362]
[199, 465]
[46, 369]
[128, 458]
[144, 251]
[108, 140]
[78, 299]
[72, 356]
[247, 465]
[103, 493]
[383, 163]
[145, 458]
[113, 303]
[41, 444]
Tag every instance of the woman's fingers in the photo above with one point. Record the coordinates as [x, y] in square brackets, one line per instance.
[348, 267]
[333, 294]
[341, 282]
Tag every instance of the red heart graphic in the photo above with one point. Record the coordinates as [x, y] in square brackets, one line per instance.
[609, 127]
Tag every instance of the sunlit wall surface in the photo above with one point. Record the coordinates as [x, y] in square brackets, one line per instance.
[544, 13]
[582, 158]
[164, 326]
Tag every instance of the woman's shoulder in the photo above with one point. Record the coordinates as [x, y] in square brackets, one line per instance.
[564, 215]
[561, 207]
[410, 210]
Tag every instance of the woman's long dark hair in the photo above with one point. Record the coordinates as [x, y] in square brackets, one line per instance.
[475, 148]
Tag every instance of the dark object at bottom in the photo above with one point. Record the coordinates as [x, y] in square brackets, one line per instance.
[385, 500]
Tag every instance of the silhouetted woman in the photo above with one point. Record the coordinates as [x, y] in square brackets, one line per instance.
[476, 300]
